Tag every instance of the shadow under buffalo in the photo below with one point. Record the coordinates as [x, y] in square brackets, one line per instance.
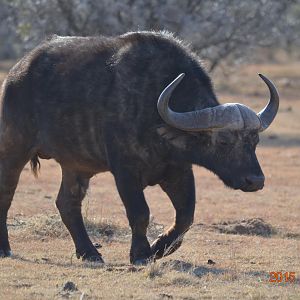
[200, 271]
[176, 265]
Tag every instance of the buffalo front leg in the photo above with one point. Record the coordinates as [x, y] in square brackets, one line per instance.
[180, 187]
[131, 192]
[72, 191]
[137, 212]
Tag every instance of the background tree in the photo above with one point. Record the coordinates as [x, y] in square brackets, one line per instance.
[217, 29]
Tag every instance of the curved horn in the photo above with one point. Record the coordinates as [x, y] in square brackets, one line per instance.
[268, 114]
[229, 115]
[165, 112]
[199, 120]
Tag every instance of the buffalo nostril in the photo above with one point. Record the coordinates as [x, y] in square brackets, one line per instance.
[255, 181]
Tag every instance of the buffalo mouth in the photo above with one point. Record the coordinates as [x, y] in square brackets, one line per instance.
[250, 183]
[251, 188]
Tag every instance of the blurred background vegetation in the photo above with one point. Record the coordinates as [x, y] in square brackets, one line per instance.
[219, 30]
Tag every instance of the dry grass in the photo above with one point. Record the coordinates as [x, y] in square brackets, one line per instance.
[43, 226]
[44, 265]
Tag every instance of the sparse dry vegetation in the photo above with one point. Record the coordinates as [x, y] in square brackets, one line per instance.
[236, 241]
[43, 226]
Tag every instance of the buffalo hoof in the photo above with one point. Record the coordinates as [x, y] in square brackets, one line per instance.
[5, 253]
[164, 246]
[142, 261]
[140, 252]
[93, 256]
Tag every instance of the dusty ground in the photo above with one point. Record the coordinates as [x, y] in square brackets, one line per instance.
[244, 236]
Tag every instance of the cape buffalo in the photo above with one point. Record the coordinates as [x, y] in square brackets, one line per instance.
[122, 104]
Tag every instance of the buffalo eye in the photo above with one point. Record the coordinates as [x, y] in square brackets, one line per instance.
[254, 138]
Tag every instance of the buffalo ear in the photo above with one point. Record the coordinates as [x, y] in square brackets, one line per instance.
[176, 137]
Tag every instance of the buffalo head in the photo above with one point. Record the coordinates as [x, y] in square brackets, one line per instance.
[222, 138]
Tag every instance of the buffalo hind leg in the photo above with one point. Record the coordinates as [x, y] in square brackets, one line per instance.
[179, 186]
[72, 191]
[9, 177]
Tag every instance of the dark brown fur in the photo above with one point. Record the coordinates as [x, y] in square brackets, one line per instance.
[90, 104]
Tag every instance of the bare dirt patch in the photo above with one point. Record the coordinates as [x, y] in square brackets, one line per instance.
[253, 226]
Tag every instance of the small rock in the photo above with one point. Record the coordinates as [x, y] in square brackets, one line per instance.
[70, 286]
[45, 259]
[211, 262]
[165, 296]
[97, 245]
